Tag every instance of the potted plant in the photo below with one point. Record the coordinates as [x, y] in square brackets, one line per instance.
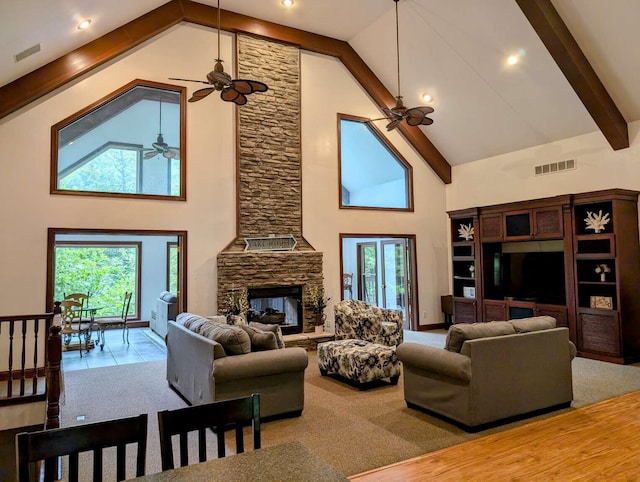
[235, 306]
[316, 301]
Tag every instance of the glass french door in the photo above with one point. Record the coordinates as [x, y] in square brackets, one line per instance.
[368, 272]
[394, 274]
[378, 270]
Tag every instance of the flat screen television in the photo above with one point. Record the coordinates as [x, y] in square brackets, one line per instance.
[536, 276]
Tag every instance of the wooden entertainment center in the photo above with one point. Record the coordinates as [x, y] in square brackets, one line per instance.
[575, 257]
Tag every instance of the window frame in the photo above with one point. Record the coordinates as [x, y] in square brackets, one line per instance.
[392, 150]
[54, 175]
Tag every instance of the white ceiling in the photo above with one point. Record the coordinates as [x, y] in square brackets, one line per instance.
[454, 49]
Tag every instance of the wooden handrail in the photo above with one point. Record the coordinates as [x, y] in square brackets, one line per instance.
[20, 337]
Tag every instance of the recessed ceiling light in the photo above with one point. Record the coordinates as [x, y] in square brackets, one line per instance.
[426, 98]
[513, 59]
[84, 24]
[287, 3]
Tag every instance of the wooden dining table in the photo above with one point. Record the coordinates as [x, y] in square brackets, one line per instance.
[288, 461]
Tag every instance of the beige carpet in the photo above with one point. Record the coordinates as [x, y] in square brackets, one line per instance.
[353, 430]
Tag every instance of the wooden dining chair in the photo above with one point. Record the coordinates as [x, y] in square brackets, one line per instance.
[82, 298]
[219, 416]
[118, 321]
[49, 445]
[73, 324]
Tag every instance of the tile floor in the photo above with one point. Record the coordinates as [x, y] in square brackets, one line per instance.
[144, 345]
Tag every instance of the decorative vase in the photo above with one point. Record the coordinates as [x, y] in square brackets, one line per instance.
[603, 276]
[319, 322]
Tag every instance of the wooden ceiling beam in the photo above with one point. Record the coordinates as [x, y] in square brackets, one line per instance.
[566, 52]
[46, 79]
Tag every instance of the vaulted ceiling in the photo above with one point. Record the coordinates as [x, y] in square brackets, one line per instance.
[576, 71]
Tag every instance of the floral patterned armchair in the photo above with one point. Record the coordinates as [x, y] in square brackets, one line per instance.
[355, 319]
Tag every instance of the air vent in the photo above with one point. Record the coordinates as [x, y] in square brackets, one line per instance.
[556, 167]
[26, 53]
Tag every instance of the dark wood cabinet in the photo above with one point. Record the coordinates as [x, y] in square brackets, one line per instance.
[494, 310]
[547, 223]
[594, 268]
[465, 266]
[464, 310]
[491, 227]
[607, 271]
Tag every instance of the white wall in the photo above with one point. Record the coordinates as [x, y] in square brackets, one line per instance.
[510, 177]
[208, 215]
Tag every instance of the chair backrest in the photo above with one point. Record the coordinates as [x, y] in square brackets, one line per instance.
[48, 445]
[220, 416]
[82, 298]
[125, 305]
[71, 311]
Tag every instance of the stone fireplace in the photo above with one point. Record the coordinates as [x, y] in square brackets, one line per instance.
[269, 186]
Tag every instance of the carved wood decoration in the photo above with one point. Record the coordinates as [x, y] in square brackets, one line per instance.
[46, 79]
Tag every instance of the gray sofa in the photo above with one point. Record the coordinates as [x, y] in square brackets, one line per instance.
[166, 309]
[201, 371]
[491, 371]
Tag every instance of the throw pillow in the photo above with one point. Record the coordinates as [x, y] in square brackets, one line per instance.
[536, 323]
[461, 332]
[272, 328]
[190, 321]
[261, 340]
[233, 339]
[236, 320]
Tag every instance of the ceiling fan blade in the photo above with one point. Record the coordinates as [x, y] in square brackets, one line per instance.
[249, 86]
[425, 109]
[417, 115]
[201, 94]
[190, 80]
[393, 124]
[151, 154]
[231, 95]
[170, 154]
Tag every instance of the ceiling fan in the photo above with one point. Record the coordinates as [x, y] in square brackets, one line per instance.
[414, 116]
[231, 90]
[161, 147]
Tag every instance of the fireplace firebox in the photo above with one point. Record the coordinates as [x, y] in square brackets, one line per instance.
[281, 305]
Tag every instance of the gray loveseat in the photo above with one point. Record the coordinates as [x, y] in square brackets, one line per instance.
[202, 370]
[491, 371]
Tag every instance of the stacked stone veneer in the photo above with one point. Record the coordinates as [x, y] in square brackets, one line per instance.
[269, 175]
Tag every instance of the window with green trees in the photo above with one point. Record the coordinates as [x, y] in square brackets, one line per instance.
[103, 271]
